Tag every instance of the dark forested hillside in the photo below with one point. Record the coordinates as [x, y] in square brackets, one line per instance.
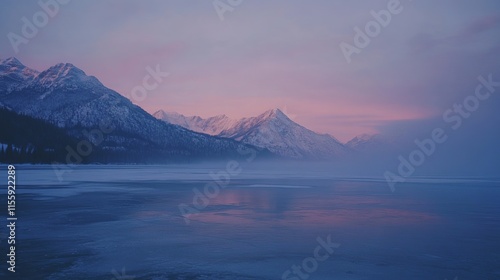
[26, 139]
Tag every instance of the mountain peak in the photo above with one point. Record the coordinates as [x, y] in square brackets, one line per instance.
[274, 114]
[271, 130]
[66, 75]
[365, 141]
[365, 137]
[12, 61]
[14, 75]
[274, 131]
[219, 117]
[276, 111]
[162, 114]
[66, 69]
[159, 112]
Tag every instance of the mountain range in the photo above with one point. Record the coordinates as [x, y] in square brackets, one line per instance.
[67, 98]
[271, 130]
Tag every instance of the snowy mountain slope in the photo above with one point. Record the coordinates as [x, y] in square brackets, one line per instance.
[212, 126]
[65, 96]
[14, 75]
[275, 131]
[3, 106]
[272, 130]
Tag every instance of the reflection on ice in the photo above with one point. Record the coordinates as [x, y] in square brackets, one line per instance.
[109, 218]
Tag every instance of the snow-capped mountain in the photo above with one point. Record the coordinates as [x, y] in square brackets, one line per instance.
[213, 126]
[14, 75]
[275, 131]
[65, 76]
[65, 96]
[272, 130]
[367, 142]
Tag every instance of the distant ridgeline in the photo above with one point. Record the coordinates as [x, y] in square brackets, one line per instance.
[63, 115]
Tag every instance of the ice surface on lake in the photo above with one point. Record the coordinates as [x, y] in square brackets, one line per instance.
[275, 186]
[102, 219]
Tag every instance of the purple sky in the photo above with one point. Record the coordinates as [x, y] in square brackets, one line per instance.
[273, 54]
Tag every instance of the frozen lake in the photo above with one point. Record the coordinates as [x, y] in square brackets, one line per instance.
[124, 222]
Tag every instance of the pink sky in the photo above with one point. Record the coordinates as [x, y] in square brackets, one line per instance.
[283, 54]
